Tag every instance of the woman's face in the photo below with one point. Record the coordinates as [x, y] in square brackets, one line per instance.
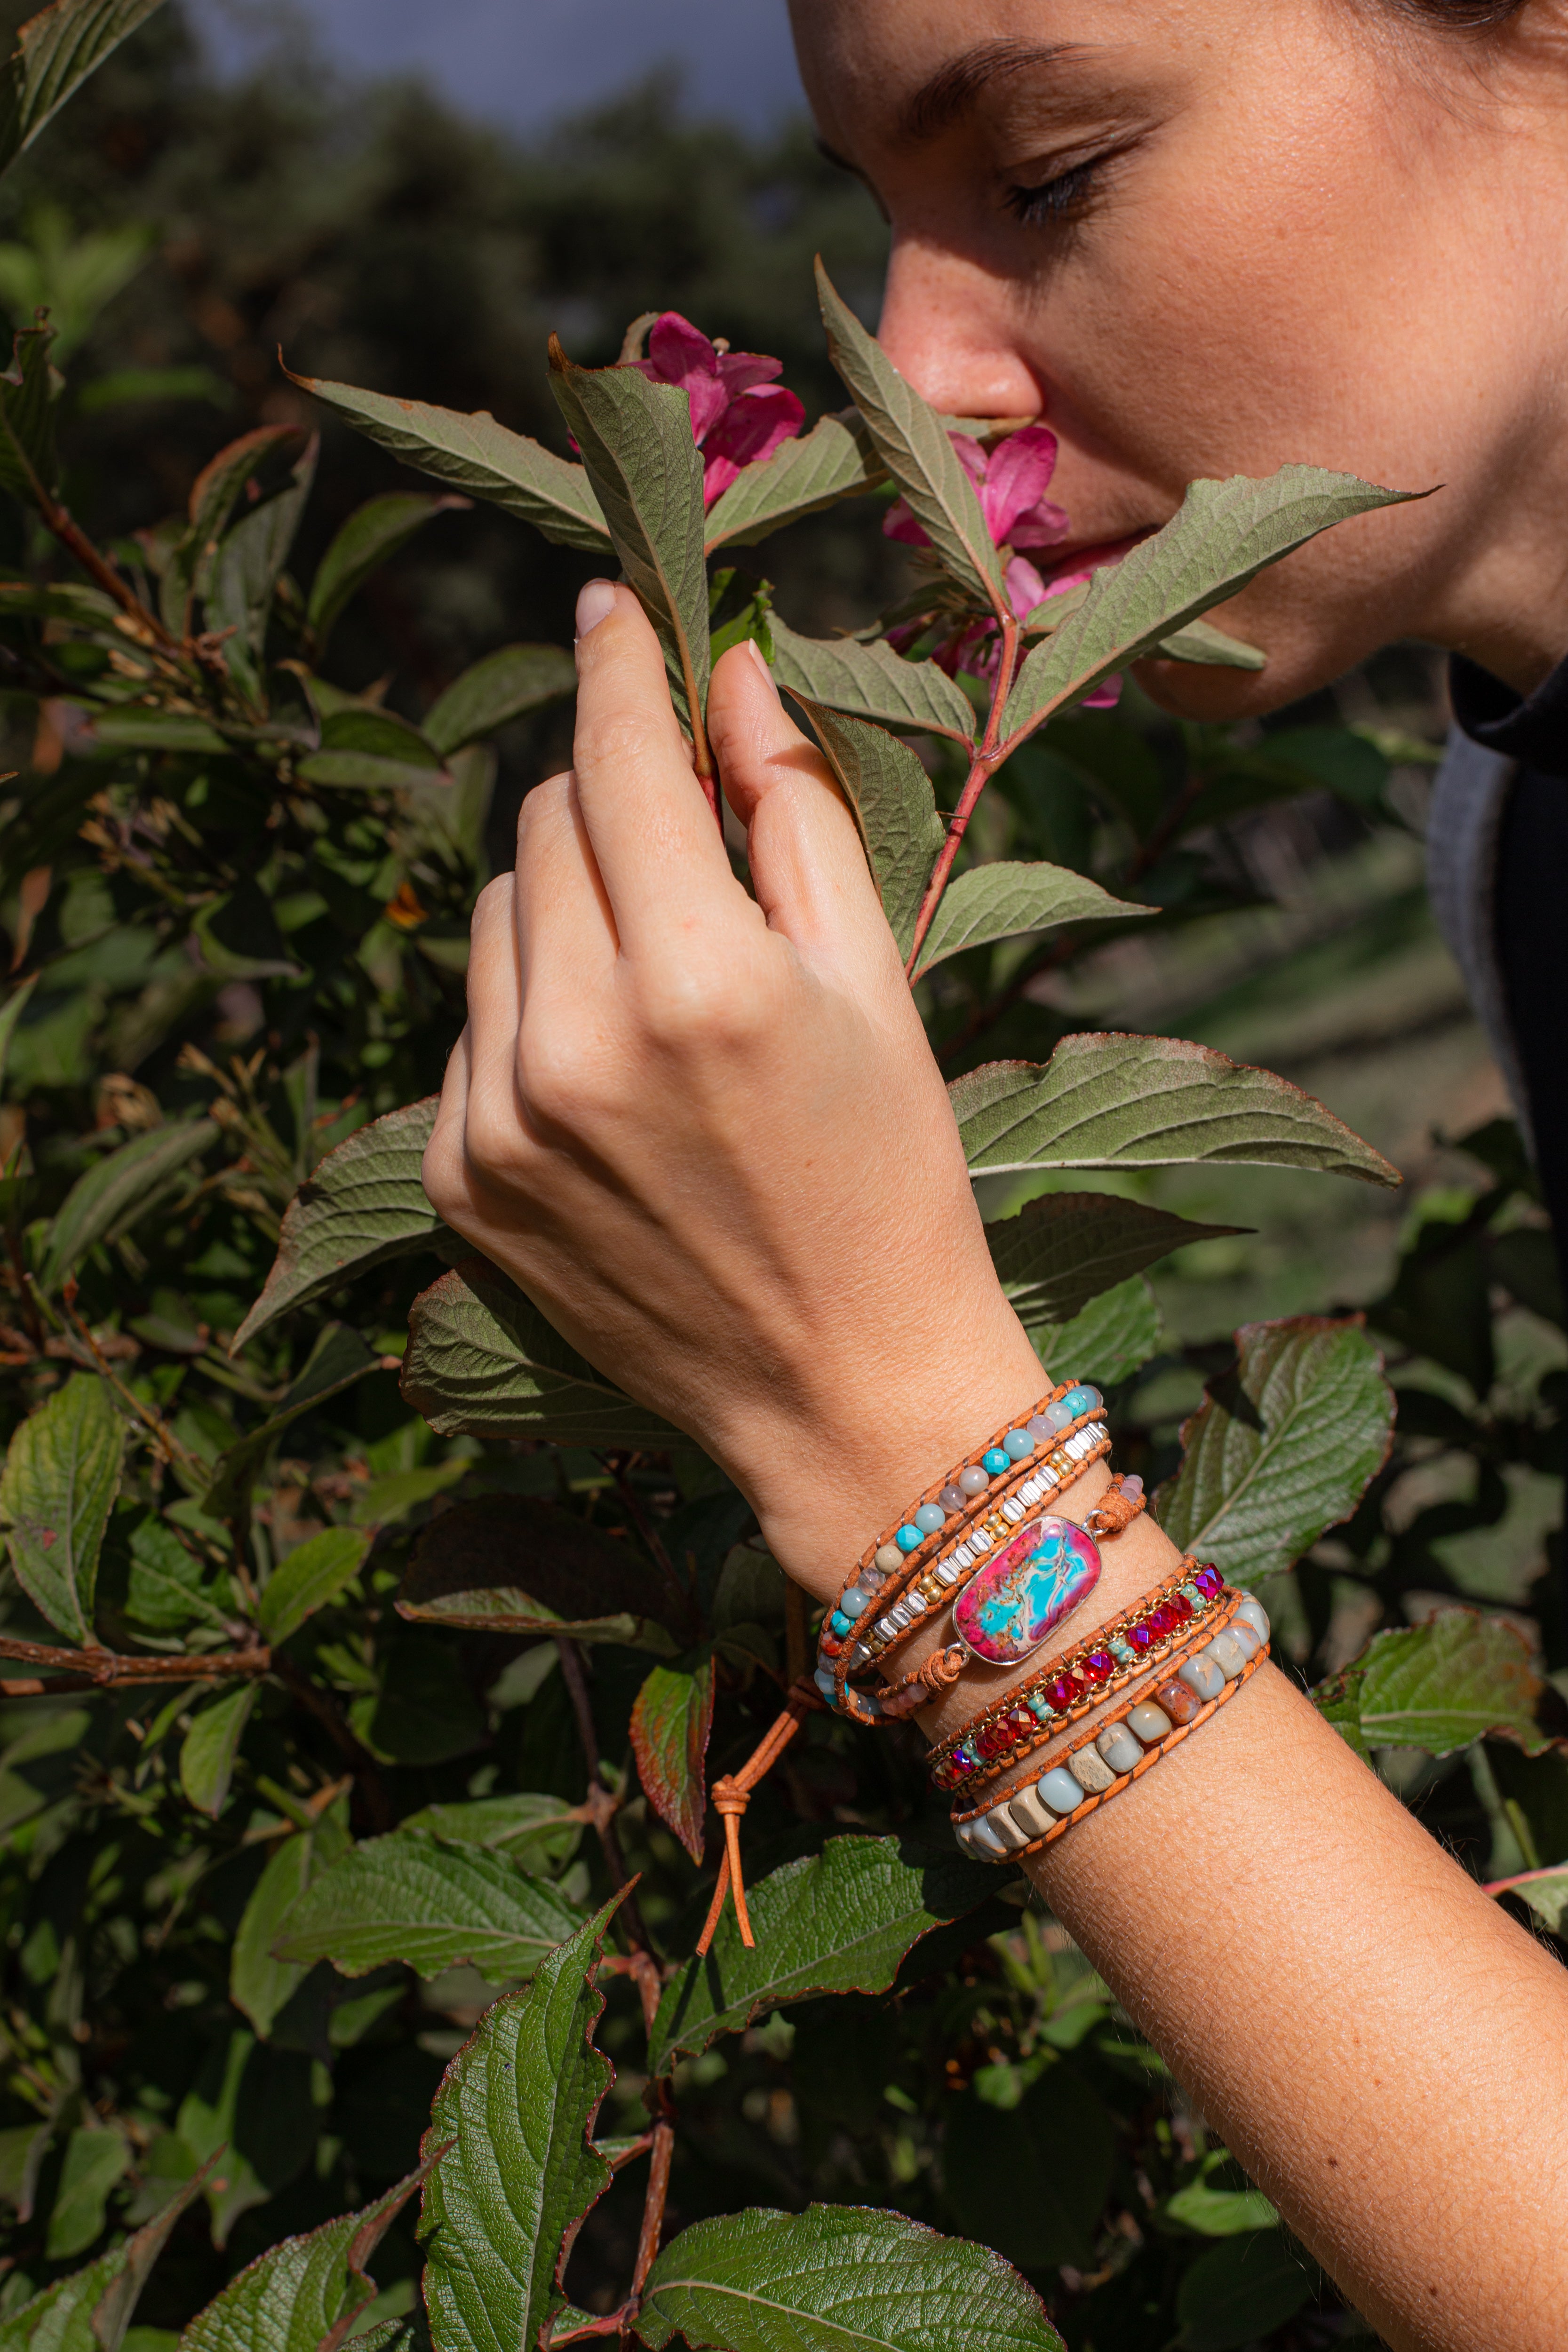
[1214, 236]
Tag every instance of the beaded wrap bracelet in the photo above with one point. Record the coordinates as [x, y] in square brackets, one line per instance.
[1076, 1680]
[1006, 1604]
[888, 1567]
[1110, 1755]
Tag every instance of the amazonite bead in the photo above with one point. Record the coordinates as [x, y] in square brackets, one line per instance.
[1149, 1723]
[974, 1480]
[823, 1680]
[1019, 1445]
[1059, 1414]
[1227, 1655]
[929, 1518]
[1033, 1817]
[1202, 1675]
[1119, 1748]
[1091, 1771]
[888, 1557]
[1252, 1612]
[1059, 1790]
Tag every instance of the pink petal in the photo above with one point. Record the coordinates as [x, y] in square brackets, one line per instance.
[753, 425]
[1017, 478]
[739, 370]
[678, 352]
[1105, 694]
[718, 472]
[899, 523]
[1042, 525]
[1025, 589]
[971, 457]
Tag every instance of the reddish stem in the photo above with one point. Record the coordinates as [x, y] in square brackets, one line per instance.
[987, 758]
[56, 520]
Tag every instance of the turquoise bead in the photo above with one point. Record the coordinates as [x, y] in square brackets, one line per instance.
[1078, 1401]
[995, 1460]
[1018, 1444]
[908, 1539]
[840, 1623]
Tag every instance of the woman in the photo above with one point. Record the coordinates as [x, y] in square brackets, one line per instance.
[705, 1133]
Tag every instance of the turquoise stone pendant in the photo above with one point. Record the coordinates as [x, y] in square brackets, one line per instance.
[1009, 1606]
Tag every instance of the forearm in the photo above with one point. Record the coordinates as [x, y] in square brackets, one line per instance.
[1384, 2049]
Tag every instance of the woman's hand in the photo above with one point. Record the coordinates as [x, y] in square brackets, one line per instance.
[705, 1133]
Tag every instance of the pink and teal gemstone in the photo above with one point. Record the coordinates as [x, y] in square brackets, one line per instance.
[1018, 1599]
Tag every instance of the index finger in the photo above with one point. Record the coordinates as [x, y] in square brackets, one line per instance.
[657, 847]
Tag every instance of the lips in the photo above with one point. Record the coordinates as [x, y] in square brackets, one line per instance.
[1088, 555]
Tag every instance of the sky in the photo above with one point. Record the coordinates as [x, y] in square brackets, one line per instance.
[524, 62]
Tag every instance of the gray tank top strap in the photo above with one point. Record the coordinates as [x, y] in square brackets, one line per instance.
[1468, 797]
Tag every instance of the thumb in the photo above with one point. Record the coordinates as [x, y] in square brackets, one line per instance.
[807, 861]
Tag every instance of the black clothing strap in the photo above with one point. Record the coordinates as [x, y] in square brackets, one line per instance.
[1530, 727]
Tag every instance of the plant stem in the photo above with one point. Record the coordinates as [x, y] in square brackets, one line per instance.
[620, 1468]
[602, 1804]
[57, 521]
[103, 1667]
[987, 758]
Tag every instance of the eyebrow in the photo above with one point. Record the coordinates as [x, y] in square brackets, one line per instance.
[954, 88]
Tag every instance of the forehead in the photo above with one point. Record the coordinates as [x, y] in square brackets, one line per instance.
[901, 73]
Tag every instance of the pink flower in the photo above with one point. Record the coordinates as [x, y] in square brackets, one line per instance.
[739, 414]
[1010, 481]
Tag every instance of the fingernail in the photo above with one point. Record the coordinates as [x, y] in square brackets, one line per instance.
[762, 661]
[594, 602]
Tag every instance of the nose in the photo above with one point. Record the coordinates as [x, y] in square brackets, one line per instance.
[945, 327]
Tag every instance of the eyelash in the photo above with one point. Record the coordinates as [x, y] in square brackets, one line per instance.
[1057, 201]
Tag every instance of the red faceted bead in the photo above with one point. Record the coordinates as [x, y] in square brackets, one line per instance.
[1160, 1620]
[1063, 1691]
[1180, 1607]
[994, 1740]
[1099, 1666]
[1208, 1580]
[1139, 1636]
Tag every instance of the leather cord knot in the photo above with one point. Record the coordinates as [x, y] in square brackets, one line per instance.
[733, 1793]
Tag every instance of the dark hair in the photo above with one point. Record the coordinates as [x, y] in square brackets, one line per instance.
[1460, 16]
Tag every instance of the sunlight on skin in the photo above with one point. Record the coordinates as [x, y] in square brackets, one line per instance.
[1308, 232]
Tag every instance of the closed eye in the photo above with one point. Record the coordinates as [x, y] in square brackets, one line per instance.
[1066, 197]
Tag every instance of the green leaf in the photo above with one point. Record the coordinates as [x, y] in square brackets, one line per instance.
[249, 2108]
[249, 564]
[913, 443]
[374, 751]
[840, 1921]
[116, 1190]
[312, 1575]
[1283, 1447]
[835, 460]
[338, 1360]
[362, 1204]
[894, 807]
[213, 498]
[210, 1746]
[1105, 1341]
[1200, 641]
[1239, 2293]
[837, 2278]
[371, 537]
[1066, 1248]
[477, 455]
[258, 1983]
[133, 728]
[671, 1718]
[870, 681]
[516, 2115]
[503, 685]
[55, 51]
[1006, 2181]
[96, 2158]
[515, 1564]
[305, 2294]
[1110, 1101]
[1545, 1891]
[1458, 1678]
[11, 1011]
[62, 1475]
[90, 2310]
[426, 1711]
[997, 902]
[536, 1832]
[647, 472]
[1219, 2213]
[1225, 534]
[409, 1897]
[28, 466]
[482, 1359]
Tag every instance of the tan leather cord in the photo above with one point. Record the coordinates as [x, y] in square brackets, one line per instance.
[733, 1793]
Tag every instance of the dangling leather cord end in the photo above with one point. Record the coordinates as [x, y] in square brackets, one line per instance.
[732, 1794]
[924, 1683]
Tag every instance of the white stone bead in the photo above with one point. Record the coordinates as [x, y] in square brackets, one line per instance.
[1118, 1747]
[1030, 1813]
[1000, 1822]
[1090, 1770]
[1149, 1723]
[1252, 1612]
[1239, 1630]
[1202, 1675]
[1227, 1655]
[1059, 1790]
[985, 1842]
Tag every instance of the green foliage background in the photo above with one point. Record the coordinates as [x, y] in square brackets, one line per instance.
[234, 979]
